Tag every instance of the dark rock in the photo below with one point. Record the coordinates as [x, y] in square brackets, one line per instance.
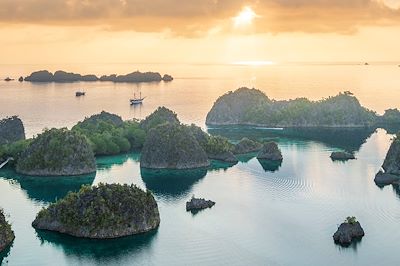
[347, 232]
[57, 152]
[198, 204]
[247, 146]
[172, 146]
[6, 234]
[342, 156]
[21, 79]
[391, 165]
[105, 211]
[8, 79]
[270, 151]
[160, 116]
[11, 130]
[227, 157]
[167, 78]
[383, 179]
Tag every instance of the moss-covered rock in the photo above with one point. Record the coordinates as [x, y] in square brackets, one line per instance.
[57, 152]
[270, 151]
[172, 146]
[247, 146]
[6, 233]
[160, 116]
[103, 211]
[11, 130]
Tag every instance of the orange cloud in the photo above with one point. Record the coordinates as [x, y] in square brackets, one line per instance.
[197, 17]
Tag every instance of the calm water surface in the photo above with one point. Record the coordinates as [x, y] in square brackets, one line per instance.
[265, 214]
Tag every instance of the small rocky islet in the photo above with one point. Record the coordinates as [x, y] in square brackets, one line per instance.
[196, 204]
[350, 230]
[101, 212]
[271, 152]
[342, 156]
[6, 233]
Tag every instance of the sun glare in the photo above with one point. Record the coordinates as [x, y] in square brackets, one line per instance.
[245, 17]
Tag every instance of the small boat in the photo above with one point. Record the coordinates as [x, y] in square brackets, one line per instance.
[8, 79]
[366, 64]
[80, 93]
[136, 100]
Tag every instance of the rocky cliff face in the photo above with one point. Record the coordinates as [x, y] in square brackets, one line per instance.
[57, 152]
[6, 234]
[11, 130]
[172, 146]
[105, 211]
[391, 165]
[347, 232]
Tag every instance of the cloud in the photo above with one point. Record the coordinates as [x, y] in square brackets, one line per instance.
[197, 17]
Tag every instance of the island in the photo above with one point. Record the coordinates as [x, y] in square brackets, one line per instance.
[391, 165]
[57, 152]
[246, 145]
[108, 134]
[11, 130]
[252, 107]
[6, 233]
[172, 146]
[196, 204]
[342, 156]
[271, 152]
[63, 76]
[348, 231]
[101, 212]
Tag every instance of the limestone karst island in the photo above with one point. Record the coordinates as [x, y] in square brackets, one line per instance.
[207, 133]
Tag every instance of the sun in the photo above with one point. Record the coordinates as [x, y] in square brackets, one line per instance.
[245, 17]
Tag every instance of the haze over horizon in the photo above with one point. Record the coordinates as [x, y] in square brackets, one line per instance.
[210, 31]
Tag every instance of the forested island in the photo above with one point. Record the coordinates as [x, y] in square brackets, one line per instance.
[252, 107]
[63, 76]
[6, 233]
[101, 212]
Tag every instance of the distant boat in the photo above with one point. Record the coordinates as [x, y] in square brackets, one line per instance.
[8, 79]
[80, 93]
[366, 64]
[136, 100]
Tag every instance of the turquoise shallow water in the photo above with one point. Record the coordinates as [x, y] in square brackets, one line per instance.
[264, 214]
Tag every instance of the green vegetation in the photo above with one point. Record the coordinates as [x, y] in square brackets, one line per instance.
[218, 145]
[14, 149]
[351, 220]
[6, 233]
[108, 134]
[391, 116]
[160, 116]
[103, 211]
[251, 106]
[57, 152]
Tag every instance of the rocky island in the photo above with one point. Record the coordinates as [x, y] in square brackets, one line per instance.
[246, 145]
[391, 165]
[271, 152]
[348, 231]
[108, 134]
[101, 212]
[172, 146]
[196, 204]
[252, 107]
[342, 156]
[63, 76]
[57, 152]
[6, 233]
[11, 130]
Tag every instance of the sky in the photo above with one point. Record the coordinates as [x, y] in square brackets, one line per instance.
[198, 31]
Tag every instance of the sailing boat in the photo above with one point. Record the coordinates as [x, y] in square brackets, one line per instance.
[137, 100]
